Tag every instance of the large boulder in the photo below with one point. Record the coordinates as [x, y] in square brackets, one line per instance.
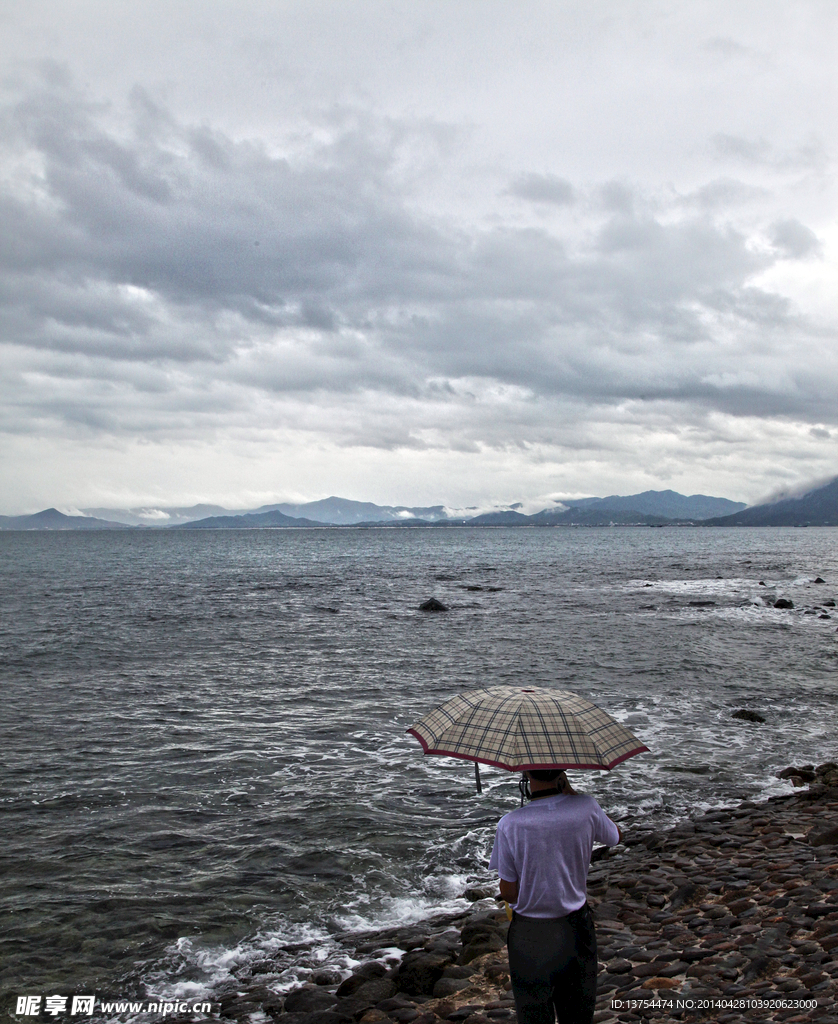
[485, 942]
[370, 994]
[366, 972]
[309, 999]
[449, 986]
[488, 922]
[420, 971]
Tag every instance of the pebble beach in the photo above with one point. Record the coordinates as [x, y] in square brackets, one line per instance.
[729, 916]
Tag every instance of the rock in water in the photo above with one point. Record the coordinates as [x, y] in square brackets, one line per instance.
[748, 716]
[432, 605]
[309, 999]
[784, 603]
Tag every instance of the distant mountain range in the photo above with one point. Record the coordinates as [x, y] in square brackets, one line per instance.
[52, 519]
[651, 508]
[817, 507]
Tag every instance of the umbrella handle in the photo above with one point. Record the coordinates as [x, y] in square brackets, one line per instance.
[477, 777]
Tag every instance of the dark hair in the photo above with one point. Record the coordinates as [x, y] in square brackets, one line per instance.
[545, 774]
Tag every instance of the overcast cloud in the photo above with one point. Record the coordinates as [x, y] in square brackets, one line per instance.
[410, 253]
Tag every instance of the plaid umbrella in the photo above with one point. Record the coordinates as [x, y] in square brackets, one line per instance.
[522, 729]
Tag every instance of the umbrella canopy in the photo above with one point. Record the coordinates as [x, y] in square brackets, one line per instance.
[522, 729]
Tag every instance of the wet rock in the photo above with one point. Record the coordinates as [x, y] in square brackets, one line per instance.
[660, 983]
[309, 999]
[805, 773]
[618, 966]
[405, 1015]
[432, 605]
[738, 907]
[691, 955]
[464, 1012]
[369, 994]
[366, 972]
[491, 923]
[318, 1017]
[241, 1009]
[325, 977]
[747, 716]
[827, 773]
[485, 942]
[449, 986]
[473, 895]
[269, 967]
[267, 1000]
[761, 967]
[818, 579]
[420, 971]
[822, 836]
[687, 895]
[783, 602]
[398, 1002]
[459, 971]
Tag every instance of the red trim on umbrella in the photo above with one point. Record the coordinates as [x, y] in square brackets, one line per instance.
[524, 767]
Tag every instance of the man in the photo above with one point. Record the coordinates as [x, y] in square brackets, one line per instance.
[542, 853]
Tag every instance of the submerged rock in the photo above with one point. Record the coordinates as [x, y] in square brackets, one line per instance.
[783, 602]
[748, 716]
[805, 772]
[432, 605]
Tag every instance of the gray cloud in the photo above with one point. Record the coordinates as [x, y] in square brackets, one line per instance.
[162, 279]
[543, 188]
[794, 239]
[809, 155]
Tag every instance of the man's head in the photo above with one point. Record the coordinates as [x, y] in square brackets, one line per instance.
[544, 774]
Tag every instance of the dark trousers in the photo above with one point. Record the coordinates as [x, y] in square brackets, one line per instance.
[553, 967]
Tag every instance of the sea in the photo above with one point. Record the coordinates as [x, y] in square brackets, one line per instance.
[204, 751]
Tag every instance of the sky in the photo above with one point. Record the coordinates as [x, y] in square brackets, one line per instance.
[466, 252]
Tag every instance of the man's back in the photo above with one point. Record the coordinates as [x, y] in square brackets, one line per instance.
[546, 848]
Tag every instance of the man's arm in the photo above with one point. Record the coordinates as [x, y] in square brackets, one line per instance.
[509, 891]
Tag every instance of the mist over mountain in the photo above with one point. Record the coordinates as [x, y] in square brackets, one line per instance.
[343, 511]
[650, 508]
[163, 515]
[817, 507]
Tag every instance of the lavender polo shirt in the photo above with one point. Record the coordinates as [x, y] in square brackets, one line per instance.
[546, 846]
